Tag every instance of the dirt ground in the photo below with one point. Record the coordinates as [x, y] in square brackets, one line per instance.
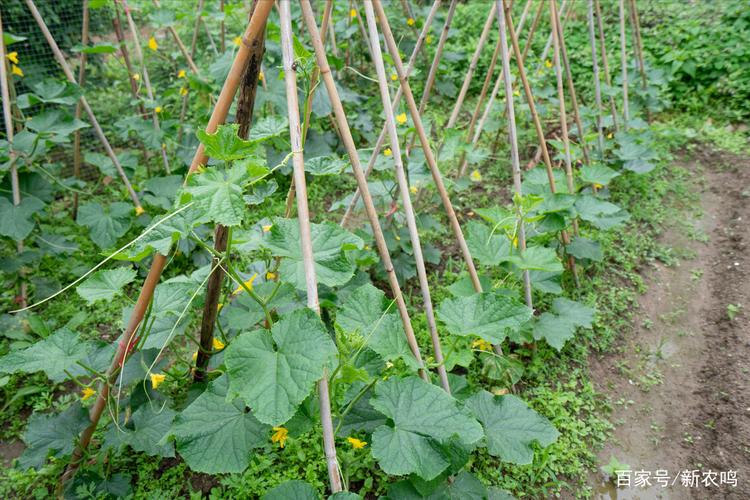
[680, 383]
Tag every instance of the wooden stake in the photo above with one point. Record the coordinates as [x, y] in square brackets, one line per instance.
[513, 139]
[605, 62]
[94, 123]
[181, 46]
[222, 29]
[184, 106]
[639, 52]
[303, 215]
[351, 148]
[548, 45]
[77, 160]
[532, 30]
[624, 67]
[219, 114]
[146, 79]
[126, 58]
[597, 79]
[401, 177]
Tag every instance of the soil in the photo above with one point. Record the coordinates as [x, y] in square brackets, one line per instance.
[680, 381]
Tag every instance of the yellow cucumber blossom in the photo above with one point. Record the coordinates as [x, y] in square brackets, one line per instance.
[357, 444]
[267, 228]
[387, 152]
[482, 345]
[475, 176]
[270, 276]
[280, 435]
[598, 186]
[158, 109]
[157, 379]
[135, 76]
[87, 393]
[237, 41]
[139, 211]
[183, 91]
[547, 64]
[261, 76]
[410, 21]
[152, 44]
[12, 57]
[428, 39]
[181, 74]
[401, 119]
[16, 70]
[248, 284]
[217, 344]
[353, 13]
[394, 76]
[413, 189]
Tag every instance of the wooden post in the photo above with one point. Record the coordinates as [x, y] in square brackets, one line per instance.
[77, 160]
[597, 78]
[624, 67]
[639, 51]
[605, 62]
[94, 123]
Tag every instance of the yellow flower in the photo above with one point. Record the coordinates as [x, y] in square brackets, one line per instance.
[136, 76]
[237, 41]
[195, 355]
[353, 13]
[219, 306]
[87, 393]
[157, 109]
[356, 443]
[270, 276]
[157, 379]
[410, 21]
[547, 64]
[139, 211]
[152, 43]
[267, 228]
[12, 57]
[387, 152]
[475, 176]
[401, 119]
[16, 70]
[181, 74]
[217, 344]
[261, 76]
[183, 91]
[609, 136]
[279, 435]
[597, 185]
[248, 284]
[394, 76]
[517, 93]
[515, 241]
[428, 39]
[481, 344]
[413, 189]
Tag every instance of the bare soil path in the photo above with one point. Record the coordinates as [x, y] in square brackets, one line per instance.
[680, 382]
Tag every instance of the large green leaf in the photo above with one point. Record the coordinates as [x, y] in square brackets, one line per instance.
[216, 436]
[558, 325]
[105, 284]
[510, 426]
[52, 355]
[51, 91]
[217, 195]
[584, 248]
[423, 416]
[600, 213]
[487, 315]
[151, 427]
[274, 372]
[56, 124]
[488, 248]
[325, 165]
[270, 126]
[16, 221]
[52, 435]
[597, 174]
[329, 244]
[537, 258]
[225, 144]
[296, 489]
[106, 223]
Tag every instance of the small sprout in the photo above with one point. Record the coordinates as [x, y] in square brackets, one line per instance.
[733, 310]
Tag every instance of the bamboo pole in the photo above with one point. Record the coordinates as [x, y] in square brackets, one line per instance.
[219, 114]
[624, 67]
[303, 215]
[532, 30]
[351, 148]
[597, 78]
[222, 28]
[537, 126]
[9, 133]
[94, 123]
[77, 160]
[196, 27]
[184, 105]
[126, 58]
[556, 42]
[639, 51]
[513, 139]
[397, 98]
[402, 181]
[210, 37]
[146, 79]
[605, 62]
[548, 45]
[472, 67]
[181, 46]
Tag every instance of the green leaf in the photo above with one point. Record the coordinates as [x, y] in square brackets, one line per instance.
[218, 195]
[296, 489]
[325, 165]
[577, 313]
[559, 325]
[270, 126]
[488, 248]
[216, 436]
[225, 144]
[510, 426]
[16, 221]
[584, 248]
[329, 245]
[55, 123]
[106, 223]
[51, 91]
[273, 373]
[486, 315]
[602, 214]
[151, 429]
[105, 284]
[597, 174]
[52, 355]
[10, 39]
[52, 435]
[97, 48]
[423, 416]
[537, 258]
[463, 287]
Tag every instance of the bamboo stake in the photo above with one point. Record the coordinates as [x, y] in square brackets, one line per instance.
[605, 63]
[639, 51]
[403, 182]
[126, 58]
[181, 46]
[222, 29]
[77, 160]
[94, 123]
[624, 67]
[472, 67]
[597, 78]
[184, 106]
[210, 37]
[513, 139]
[196, 27]
[532, 30]
[146, 79]
[397, 98]
[351, 148]
[561, 102]
[548, 45]
[303, 215]
[219, 114]
[537, 126]
[9, 133]
[244, 117]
